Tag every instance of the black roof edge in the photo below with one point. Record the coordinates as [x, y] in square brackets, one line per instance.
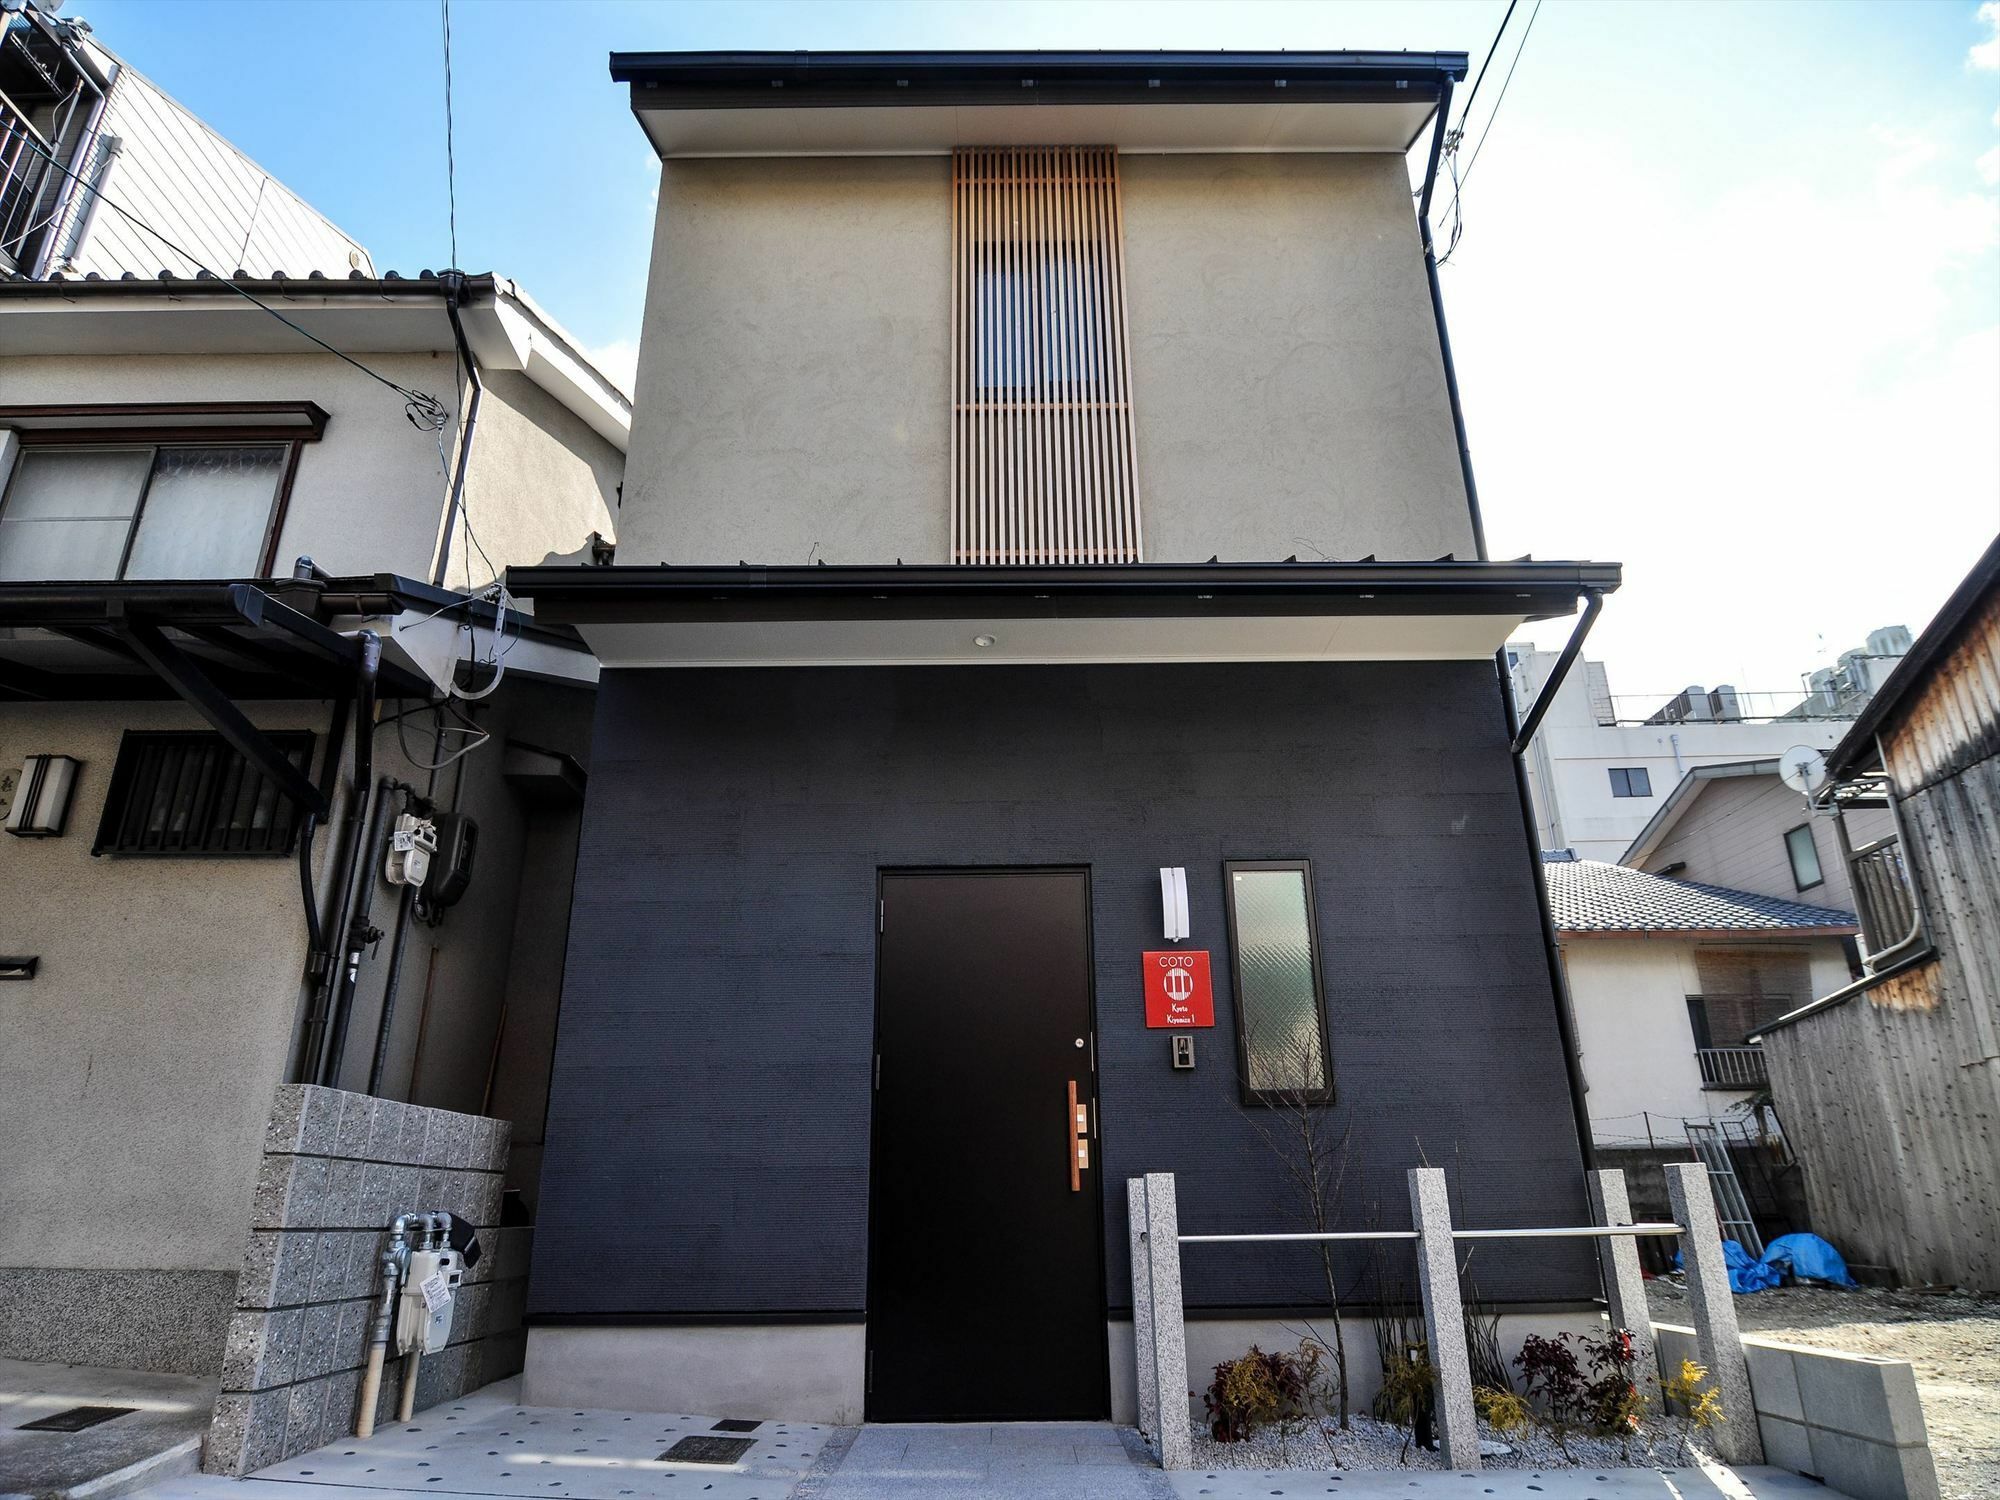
[428, 284]
[1354, 579]
[746, 79]
[1856, 749]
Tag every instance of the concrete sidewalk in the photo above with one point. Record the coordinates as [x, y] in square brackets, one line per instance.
[487, 1445]
[158, 1432]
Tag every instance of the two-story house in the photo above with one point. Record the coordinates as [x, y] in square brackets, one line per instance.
[1049, 713]
[248, 620]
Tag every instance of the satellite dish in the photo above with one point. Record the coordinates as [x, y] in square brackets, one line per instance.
[1802, 768]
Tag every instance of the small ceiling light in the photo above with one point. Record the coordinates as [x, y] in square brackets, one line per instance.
[41, 800]
[982, 640]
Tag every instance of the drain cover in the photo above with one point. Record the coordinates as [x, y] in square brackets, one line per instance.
[75, 1419]
[707, 1450]
[735, 1424]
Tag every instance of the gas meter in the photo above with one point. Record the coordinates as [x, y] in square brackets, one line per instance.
[430, 1288]
[412, 842]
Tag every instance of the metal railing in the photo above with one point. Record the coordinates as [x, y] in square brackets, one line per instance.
[1882, 893]
[25, 173]
[1732, 1067]
[1159, 1327]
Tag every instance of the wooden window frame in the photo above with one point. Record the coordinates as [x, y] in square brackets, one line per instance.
[1045, 470]
[1266, 1098]
[175, 424]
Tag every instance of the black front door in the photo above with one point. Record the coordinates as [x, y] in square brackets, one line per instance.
[985, 1276]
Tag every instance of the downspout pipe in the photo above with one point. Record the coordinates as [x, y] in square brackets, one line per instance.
[1516, 740]
[453, 282]
[315, 1062]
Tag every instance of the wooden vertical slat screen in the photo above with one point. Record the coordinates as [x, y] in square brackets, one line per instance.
[1042, 464]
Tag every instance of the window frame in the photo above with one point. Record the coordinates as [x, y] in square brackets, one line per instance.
[1792, 859]
[1268, 1098]
[1628, 772]
[173, 424]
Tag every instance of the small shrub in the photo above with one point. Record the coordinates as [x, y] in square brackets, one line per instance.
[1256, 1389]
[1555, 1380]
[1409, 1387]
[1611, 1399]
[1695, 1404]
[1503, 1411]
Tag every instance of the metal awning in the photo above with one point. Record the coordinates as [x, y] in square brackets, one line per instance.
[1141, 612]
[272, 638]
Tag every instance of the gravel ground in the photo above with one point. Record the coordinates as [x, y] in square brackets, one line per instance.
[1369, 1444]
[1952, 1341]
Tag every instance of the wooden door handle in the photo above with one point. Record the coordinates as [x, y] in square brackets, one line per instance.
[1079, 1139]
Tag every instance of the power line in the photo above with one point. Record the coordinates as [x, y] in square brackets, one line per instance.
[1481, 144]
[425, 411]
[1466, 113]
[450, 161]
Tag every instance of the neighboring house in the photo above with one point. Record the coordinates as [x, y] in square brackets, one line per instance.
[1600, 764]
[1890, 1085]
[1738, 824]
[1669, 978]
[987, 399]
[204, 521]
[84, 135]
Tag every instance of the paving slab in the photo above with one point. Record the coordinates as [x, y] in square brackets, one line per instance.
[1008, 1461]
[159, 1436]
[1707, 1483]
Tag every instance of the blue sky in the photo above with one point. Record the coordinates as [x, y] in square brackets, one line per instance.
[1726, 308]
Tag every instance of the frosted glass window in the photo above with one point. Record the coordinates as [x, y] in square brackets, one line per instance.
[1281, 1025]
[1804, 854]
[68, 513]
[171, 512]
[207, 510]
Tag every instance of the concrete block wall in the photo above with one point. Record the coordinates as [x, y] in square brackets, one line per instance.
[337, 1168]
[1852, 1421]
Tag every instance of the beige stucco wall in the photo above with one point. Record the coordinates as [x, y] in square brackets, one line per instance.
[539, 482]
[368, 497]
[794, 367]
[1288, 392]
[1629, 992]
[1734, 835]
[136, 1067]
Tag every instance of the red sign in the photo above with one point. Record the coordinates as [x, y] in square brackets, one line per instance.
[1178, 991]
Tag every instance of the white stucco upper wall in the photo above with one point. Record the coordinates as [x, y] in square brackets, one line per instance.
[369, 496]
[794, 365]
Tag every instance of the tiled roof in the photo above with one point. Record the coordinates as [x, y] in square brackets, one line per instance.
[1588, 895]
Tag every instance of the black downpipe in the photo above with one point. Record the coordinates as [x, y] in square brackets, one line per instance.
[389, 986]
[454, 289]
[361, 929]
[336, 732]
[315, 1056]
[1551, 945]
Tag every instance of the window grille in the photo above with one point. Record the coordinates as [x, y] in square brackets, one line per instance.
[1042, 467]
[193, 793]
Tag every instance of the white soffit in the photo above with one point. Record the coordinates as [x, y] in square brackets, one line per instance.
[903, 130]
[1245, 638]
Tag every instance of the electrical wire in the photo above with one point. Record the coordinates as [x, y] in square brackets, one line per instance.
[450, 162]
[481, 736]
[1466, 113]
[425, 411]
[1480, 145]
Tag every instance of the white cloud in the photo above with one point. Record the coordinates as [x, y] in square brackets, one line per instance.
[617, 361]
[1988, 167]
[1986, 54]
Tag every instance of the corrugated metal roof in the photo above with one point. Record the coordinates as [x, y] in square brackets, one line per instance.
[1589, 895]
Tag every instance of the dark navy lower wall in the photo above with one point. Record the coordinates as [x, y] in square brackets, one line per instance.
[709, 1112]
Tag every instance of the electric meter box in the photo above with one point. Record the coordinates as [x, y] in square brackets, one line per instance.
[430, 1292]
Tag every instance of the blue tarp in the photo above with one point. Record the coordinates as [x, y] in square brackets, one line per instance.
[1810, 1256]
[1745, 1274]
[1804, 1255]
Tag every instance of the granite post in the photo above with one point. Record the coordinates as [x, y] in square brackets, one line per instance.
[1624, 1285]
[1142, 1309]
[1444, 1320]
[1717, 1339]
[1163, 1276]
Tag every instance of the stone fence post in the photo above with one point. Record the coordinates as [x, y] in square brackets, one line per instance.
[1618, 1259]
[1717, 1338]
[1143, 1360]
[1444, 1317]
[1156, 1299]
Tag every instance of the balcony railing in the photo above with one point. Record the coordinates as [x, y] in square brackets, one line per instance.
[29, 184]
[1732, 1067]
